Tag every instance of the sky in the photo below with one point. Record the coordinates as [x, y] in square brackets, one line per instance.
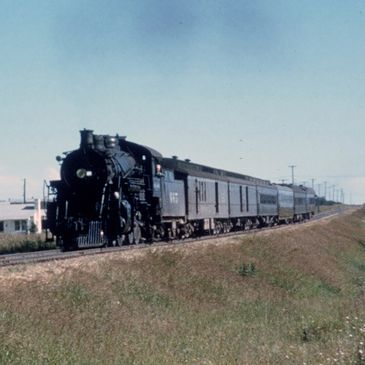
[247, 86]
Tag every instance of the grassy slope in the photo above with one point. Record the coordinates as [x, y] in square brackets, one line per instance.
[303, 304]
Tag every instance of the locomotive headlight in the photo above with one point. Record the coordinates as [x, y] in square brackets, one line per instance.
[116, 194]
[81, 173]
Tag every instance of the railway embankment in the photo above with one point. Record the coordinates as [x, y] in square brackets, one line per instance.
[293, 296]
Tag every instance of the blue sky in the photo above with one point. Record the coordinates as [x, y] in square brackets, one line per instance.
[248, 86]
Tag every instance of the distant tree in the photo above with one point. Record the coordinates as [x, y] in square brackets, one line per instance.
[32, 228]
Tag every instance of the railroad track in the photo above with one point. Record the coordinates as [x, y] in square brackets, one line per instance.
[56, 254]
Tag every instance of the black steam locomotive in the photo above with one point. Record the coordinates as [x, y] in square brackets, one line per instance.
[115, 192]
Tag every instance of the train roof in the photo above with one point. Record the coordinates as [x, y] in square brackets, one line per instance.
[142, 148]
[299, 188]
[195, 169]
[153, 152]
[284, 188]
[310, 191]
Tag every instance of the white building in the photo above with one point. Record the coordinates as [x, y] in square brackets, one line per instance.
[21, 218]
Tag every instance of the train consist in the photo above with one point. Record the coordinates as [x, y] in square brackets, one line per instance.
[115, 192]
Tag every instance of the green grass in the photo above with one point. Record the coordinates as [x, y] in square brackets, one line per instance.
[293, 297]
[23, 243]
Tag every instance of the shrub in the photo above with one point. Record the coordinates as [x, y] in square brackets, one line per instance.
[246, 269]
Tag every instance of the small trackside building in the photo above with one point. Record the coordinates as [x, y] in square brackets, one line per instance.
[20, 217]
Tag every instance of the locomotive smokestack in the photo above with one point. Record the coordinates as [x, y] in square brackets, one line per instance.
[87, 140]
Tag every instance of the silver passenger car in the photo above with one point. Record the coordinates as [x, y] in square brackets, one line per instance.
[267, 200]
[243, 199]
[310, 201]
[206, 197]
[300, 202]
[285, 203]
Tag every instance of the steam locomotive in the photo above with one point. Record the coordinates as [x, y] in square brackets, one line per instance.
[115, 192]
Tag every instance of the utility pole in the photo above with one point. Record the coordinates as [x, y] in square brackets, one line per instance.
[312, 183]
[325, 190]
[329, 192]
[292, 173]
[333, 192]
[24, 190]
[318, 196]
[319, 189]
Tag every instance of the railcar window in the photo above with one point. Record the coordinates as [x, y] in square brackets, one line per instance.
[299, 201]
[207, 169]
[286, 198]
[1, 226]
[267, 199]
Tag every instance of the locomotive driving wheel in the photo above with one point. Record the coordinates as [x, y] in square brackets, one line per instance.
[121, 240]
